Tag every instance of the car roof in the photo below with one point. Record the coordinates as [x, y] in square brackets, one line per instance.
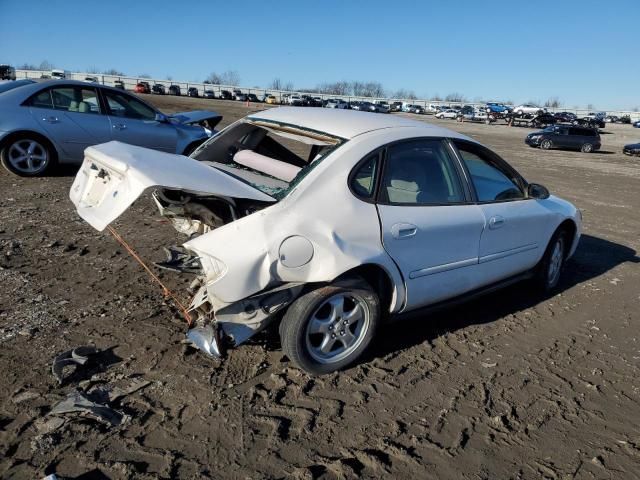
[24, 92]
[346, 123]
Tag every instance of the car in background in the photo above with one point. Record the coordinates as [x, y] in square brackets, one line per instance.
[632, 149]
[566, 117]
[317, 102]
[382, 106]
[419, 109]
[158, 89]
[240, 97]
[236, 92]
[337, 103]
[367, 107]
[46, 123]
[193, 92]
[174, 90]
[544, 120]
[119, 84]
[91, 79]
[6, 85]
[569, 137]
[59, 74]
[497, 108]
[271, 100]
[252, 97]
[625, 119]
[226, 95]
[7, 72]
[431, 214]
[449, 113]
[611, 119]
[295, 100]
[396, 106]
[142, 87]
[528, 109]
[209, 94]
[593, 119]
[355, 104]
[636, 124]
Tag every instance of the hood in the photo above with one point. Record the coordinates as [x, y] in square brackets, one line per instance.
[197, 116]
[114, 174]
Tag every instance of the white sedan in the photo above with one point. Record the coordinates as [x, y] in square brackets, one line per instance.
[449, 113]
[528, 109]
[332, 221]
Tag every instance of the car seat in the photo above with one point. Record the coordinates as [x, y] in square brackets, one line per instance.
[73, 106]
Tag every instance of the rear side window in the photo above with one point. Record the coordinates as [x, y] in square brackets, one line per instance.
[42, 100]
[420, 172]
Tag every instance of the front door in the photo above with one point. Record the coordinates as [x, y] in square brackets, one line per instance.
[512, 240]
[72, 117]
[429, 226]
[133, 122]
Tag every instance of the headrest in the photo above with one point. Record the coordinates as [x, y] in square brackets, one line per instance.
[270, 166]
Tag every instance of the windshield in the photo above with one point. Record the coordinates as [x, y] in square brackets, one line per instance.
[271, 157]
[10, 85]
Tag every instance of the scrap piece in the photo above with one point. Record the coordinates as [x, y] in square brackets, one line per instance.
[77, 402]
[77, 356]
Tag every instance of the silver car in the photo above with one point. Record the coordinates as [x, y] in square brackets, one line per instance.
[46, 123]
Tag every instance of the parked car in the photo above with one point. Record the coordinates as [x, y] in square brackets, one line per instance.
[419, 109]
[317, 102]
[142, 87]
[528, 109]
[611, 119]
[566, 117]
[396, 106]
[271, 100]
[226, 95]
[209, 94]
[236, 92]
[91, 79]
[174, 90]
[337, 103]
[47, 123]
[450, 113]
[412, 228]
[158, 89]
[240, 97]
[636, 124]
[625, 119]
[571, 137]
[294, 100]
[367, 107]
[6, 85]
[592, 120]
[193, 92]
[632, 149]
[119, 84]
[497, 108]
[7, 72]
[382, 106]
[253, 98]
[544, 120]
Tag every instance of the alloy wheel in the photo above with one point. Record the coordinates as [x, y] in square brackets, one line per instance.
[27, 156]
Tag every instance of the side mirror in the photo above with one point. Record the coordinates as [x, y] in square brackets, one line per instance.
[161, 117]
[537, 191]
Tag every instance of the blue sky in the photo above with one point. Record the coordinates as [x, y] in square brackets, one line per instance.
[581, 51]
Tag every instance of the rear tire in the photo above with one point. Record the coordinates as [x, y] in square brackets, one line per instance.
[330, 327]
[550, 267]
[586, 148]
[546, 144]
[28, 155]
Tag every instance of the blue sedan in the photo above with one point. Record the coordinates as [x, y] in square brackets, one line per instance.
[46, 123]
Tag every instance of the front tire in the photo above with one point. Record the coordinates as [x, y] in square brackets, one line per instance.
[546, 144]
[330, 327]
[586, 148]
[27, 156]
[550, 267]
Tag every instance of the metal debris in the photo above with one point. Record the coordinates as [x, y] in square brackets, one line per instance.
[76, 402]
[204, 338]
[77, 356]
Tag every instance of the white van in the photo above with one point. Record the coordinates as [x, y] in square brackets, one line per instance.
[57, 74]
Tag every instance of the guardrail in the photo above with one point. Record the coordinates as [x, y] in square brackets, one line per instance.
[130, 83]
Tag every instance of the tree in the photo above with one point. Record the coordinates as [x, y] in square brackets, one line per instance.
[144, 75]
[27, 66]
[230, 77]
[276, 84]
[45, 65]
[436, 98]
[455, 97]
[113, 71]
[553, 102]
[93, 69]
[404, 93]
[169, 77]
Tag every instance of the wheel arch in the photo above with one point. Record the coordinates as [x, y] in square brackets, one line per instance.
[572, 229]
[382, 283]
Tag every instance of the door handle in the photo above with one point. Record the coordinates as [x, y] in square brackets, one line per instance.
[120, 126]
[51, 119]
[403, 230]
[496, 222]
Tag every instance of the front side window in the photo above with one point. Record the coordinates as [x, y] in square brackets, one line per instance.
[420, 172]
[126, 106]
[492, 182]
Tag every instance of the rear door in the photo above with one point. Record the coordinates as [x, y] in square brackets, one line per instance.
[72, 117]
[133, 122]
[516, 227]
[429, 226]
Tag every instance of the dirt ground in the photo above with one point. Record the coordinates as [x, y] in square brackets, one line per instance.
[513, 385]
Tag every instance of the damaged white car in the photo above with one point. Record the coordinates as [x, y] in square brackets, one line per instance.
[330, 221]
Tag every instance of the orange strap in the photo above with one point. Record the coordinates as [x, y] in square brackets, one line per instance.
[165, 291]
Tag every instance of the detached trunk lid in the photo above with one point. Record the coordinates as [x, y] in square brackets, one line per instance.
[114, 174]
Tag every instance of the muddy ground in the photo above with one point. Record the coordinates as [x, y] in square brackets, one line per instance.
[513, 385]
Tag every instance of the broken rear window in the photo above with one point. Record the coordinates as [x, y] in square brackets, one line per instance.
[272, 157]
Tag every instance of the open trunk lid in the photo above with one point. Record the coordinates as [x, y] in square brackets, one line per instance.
[114, 174]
